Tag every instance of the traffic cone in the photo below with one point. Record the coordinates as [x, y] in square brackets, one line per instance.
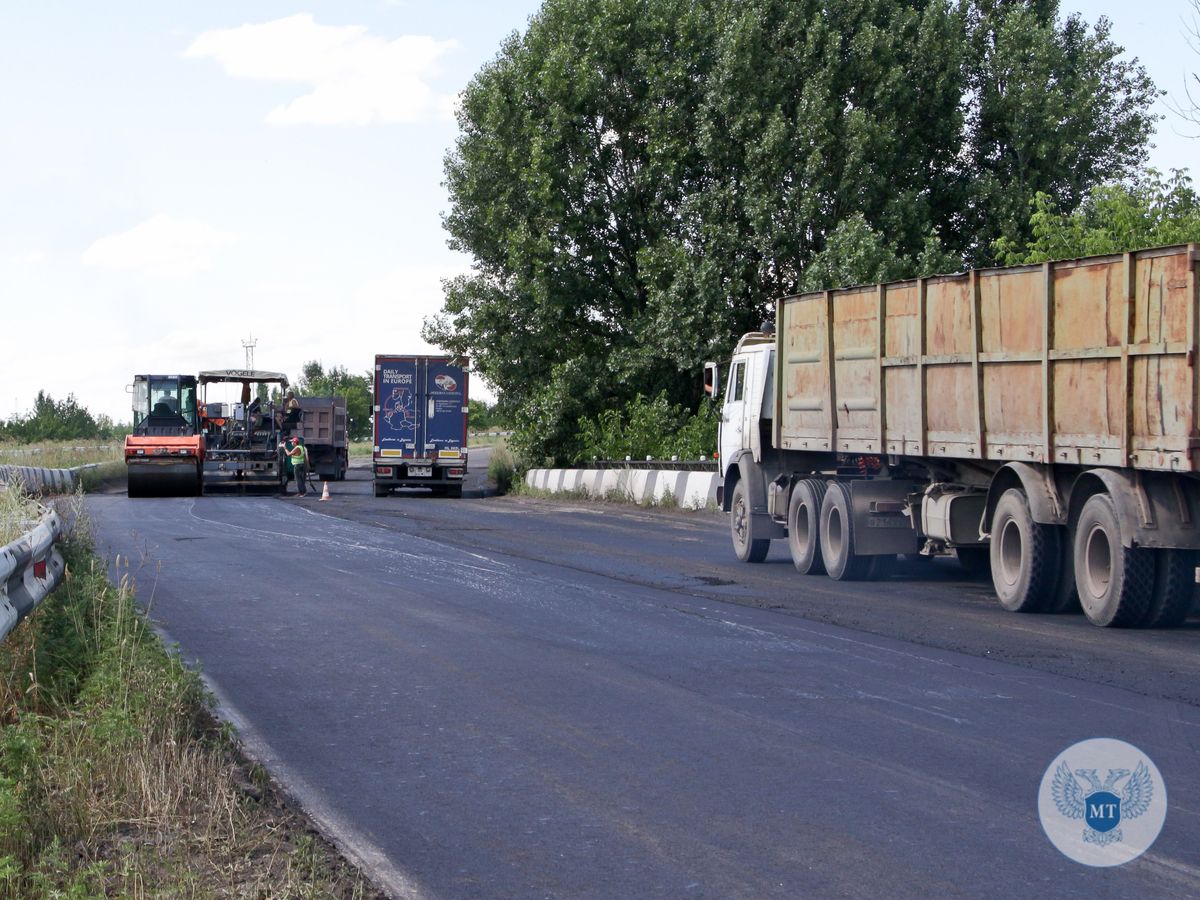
[325, 490]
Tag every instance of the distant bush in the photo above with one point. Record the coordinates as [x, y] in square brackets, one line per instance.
[652, 428]
[502, 469]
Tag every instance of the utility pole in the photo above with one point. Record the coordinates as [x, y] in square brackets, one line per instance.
[250, 343]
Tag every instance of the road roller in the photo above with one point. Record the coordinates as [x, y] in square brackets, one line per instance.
[164, 456]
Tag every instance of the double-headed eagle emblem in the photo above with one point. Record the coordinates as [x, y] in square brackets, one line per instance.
[1099, 804]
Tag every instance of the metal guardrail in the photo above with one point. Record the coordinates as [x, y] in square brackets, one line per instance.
[30, 568]
[36, 480]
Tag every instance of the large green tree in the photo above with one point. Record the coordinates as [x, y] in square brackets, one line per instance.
[636, 181]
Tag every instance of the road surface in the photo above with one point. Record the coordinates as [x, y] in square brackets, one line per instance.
[503, 697]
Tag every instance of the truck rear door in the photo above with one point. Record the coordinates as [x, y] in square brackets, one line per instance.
[445, 409]
[398, 408]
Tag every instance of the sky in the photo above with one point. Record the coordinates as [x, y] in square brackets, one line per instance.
[178, 179]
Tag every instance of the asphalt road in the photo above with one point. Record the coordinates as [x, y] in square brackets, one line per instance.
[504, 697]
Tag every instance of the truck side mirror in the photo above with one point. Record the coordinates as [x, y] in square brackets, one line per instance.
[712, 380]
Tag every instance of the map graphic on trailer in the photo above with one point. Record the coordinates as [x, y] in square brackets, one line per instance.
[399, 410]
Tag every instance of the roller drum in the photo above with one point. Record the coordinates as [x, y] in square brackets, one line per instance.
[174, 478]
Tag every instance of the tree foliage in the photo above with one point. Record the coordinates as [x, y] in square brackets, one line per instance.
[637, 181]
[649, 428]
[1149, 211]
[58, 420]
[338, 382]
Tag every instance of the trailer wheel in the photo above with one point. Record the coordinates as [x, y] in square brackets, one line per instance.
[1171, 600]
[837, 537]
[1115, 582]
[741, 527]
[1064, 598]
[1023, 554]
[804, 517]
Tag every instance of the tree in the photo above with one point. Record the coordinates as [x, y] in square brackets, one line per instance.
[1145, 212]
[638, 180]
[338, 382]
[1189, 108]
[1054, 110]
[57, 420]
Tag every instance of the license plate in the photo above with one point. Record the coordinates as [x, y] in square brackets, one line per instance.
[420, 471]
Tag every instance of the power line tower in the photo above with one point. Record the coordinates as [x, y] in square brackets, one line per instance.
[250, 343]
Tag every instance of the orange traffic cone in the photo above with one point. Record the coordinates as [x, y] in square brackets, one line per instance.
[325, 490]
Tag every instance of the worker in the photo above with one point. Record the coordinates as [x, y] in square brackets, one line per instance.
[298, 458]
[292, 412]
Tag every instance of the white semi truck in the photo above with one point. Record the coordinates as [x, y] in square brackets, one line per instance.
[1040, 421]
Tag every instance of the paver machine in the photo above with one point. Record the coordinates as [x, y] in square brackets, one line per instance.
[164, 456]
[244, 436]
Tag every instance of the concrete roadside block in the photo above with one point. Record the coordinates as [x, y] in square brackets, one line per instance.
[692, 490]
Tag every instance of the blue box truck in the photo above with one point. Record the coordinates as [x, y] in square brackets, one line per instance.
[420, 413]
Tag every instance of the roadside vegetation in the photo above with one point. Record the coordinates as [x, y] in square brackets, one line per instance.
[62, 454]
[115, 777]
[59, 422]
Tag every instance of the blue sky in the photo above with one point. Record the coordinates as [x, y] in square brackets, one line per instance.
[178, 177]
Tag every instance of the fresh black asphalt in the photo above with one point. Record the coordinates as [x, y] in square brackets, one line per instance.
[501, 697]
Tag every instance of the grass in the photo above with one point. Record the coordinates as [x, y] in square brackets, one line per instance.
[59, 454]
[115, 777]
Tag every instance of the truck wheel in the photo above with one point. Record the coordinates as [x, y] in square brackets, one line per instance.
[1023, 555]
[1064, 598]
[381, 491]
[454, 490]
[1115, 582]
[837, 536]
[1171, 599]
[804, 517]
[741, 526]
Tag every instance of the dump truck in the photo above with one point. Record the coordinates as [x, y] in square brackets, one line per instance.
[1039, 421]
[420, 424]
[323, 428]
[244, 436]
[164, 455]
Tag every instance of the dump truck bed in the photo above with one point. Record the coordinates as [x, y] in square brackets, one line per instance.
[1088, 361]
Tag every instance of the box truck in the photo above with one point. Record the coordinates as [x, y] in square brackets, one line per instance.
[420, 424]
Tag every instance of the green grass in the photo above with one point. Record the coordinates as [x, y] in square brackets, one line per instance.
[115, 777]
[59, 454]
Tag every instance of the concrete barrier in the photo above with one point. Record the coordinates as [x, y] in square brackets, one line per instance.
[690, 490]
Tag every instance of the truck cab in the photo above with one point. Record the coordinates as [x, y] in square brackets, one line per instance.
[749, 401]
[744, 442]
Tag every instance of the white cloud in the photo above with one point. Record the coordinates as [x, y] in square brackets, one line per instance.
[356, 78]
[160, 246]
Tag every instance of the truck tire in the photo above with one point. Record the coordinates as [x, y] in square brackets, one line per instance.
[1171, 599]
[741, 528]
[454, 490]
[1115, 582]
[1064, 598]
[381, 491]
[1023, 555]
[804, 532]
[837, 537]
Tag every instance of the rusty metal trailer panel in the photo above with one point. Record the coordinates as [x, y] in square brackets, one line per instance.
[1085, 362]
